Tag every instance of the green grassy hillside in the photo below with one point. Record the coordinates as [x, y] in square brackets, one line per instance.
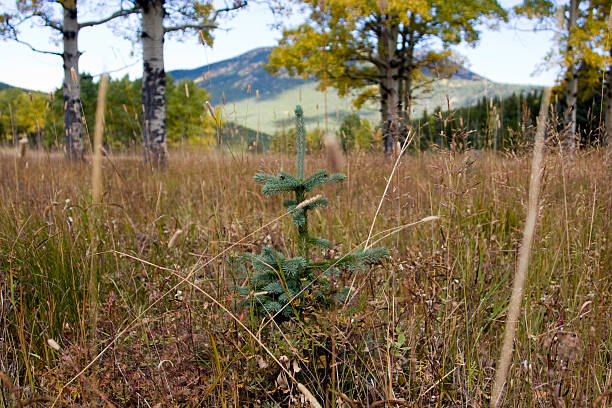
[272, 113]
[4, 86]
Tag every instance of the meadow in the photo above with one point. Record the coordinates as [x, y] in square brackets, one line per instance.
[133, 302]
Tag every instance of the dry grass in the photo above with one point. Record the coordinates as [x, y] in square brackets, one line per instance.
[520, 277]
[424, 329]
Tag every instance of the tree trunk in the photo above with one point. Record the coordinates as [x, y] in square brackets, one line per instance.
[73, 121]
[406, 71]
[571, 95]
[390, 98]
[407, 96]
[154, 84]
[385, 119]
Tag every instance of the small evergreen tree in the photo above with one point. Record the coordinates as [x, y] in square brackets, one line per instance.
[279, 280]
[347, 131]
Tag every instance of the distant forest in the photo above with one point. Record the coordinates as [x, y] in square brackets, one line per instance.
[508, 123]
[492, 123]
[39, 116]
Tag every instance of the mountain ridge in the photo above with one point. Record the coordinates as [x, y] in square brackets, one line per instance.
[231, 79]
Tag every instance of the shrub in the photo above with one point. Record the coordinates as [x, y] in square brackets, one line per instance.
[355, 132]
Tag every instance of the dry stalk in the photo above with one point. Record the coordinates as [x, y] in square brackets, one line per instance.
[334, 161]
[23, 147]
[96, 193]
[382, 198]
[96, 170]
[174, 239]
[521, 273]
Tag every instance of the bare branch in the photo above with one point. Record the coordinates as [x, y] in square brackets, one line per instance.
[367, 57]
[117, 69]
[237, 5]
[49, 23]
[357, 75]
[14, 38]
[120, 13]
[210, 24]
[203, 26]
[536, 29]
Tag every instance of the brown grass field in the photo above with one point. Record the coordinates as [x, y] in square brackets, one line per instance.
[162, 325]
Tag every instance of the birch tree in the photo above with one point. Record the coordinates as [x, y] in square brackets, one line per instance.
[61, 16]
[572, 77]
[159, 18]
[380, 49]
[583, 33]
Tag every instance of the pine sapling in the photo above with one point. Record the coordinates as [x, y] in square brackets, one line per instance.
[277, 280]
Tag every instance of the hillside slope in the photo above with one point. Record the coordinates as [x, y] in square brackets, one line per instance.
[271, 114]
[270, 103]
[4, 86]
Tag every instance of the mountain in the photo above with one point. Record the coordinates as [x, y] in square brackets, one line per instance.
[270, 103]
[229, 80]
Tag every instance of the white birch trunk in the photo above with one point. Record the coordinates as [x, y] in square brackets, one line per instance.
[73, 121]
[154, 84]
[571, 96]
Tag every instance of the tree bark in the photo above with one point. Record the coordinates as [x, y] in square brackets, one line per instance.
[406, 70]
[389, 89]
[571, 95]
[406, 96]
[154, 84]
[73, 121]
[385, 119]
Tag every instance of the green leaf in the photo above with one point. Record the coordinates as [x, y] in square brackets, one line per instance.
[401, 339]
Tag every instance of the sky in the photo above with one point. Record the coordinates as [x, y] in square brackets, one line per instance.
[504, 55]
